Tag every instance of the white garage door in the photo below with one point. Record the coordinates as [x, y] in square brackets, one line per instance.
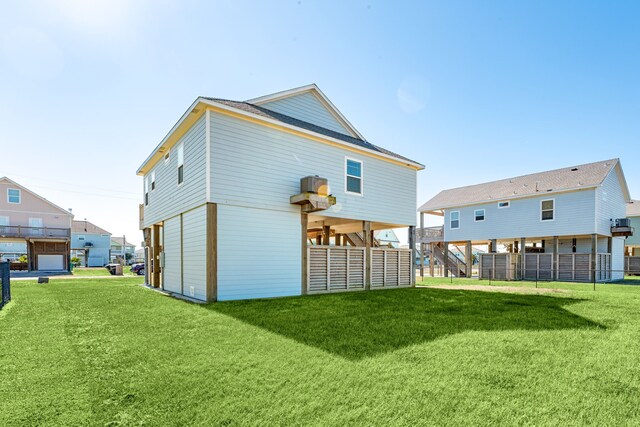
[50, 262]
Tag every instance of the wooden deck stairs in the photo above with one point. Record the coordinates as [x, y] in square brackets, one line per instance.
[456, 266]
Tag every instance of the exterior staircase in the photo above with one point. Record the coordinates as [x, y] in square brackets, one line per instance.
[456, 266]
[356, 239]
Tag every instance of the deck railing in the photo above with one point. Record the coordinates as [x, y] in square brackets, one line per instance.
[26, 231]
[430, 234]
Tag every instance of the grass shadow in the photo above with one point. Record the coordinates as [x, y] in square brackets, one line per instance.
[358, 325]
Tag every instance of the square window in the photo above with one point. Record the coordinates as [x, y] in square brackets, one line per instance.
[13, 195]
[479, 215]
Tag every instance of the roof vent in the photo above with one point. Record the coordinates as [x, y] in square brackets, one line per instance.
[574, 169]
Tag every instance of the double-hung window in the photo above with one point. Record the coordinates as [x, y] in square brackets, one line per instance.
[180, 164]
[146, 191]
[478, 215]
[353, 176]
[13, 195]
[547, 210]
[153, 180]
[454, 220]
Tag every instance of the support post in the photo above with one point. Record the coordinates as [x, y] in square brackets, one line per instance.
[594, 252]
[338, 239]
[522, 251]
[319, 239]
[468, 255]
[556, 259]
[493, 246]
[412, 245]
[326, 235]
[422, 245]
[431, 259]
[212, 252]
[304, 222]
[445, 257]
[155, 247]
[366, 234]
[609, 244]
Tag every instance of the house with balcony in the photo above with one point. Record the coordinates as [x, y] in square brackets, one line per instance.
[285, 177]
[90, 243]
[565, 224]
[632, 243]
[121, 249]
[44, 228]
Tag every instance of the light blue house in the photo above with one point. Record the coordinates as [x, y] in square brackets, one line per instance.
[90, 243]
[560, 224]
[228, 180]
[633, 242]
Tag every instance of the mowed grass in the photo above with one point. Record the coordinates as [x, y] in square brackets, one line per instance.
[109, 352]
[99, 271]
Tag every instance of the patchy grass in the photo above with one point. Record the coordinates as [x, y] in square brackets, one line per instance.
[109, 352]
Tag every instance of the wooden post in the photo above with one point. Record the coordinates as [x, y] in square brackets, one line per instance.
[431, 259]
[412, 245]
[304, 223]
[338, 239]
[212, 252]
[318, 239]
[594, 252]
[468, 254]
[326, 235]
[422, 245]
[516, 248]
[556, 258]
[609, 244]
[366, 234]
[522, 251]
[155, 247]
[445, 257]
[493, 245]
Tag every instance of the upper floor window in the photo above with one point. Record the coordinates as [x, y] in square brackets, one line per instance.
[81, 237]
[547, 210]
[478, 215]
[146, 191]
[166, 157]
[13, 195]
[180, 164]
[454, 220]
[153, 180]
[503, 205]
[353, 176]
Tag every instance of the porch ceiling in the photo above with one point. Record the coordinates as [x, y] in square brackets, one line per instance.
[346, 225]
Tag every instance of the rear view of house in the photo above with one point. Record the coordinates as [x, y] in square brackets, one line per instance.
[275, 196]
[564, 224]
[90, 243]
[29, 221]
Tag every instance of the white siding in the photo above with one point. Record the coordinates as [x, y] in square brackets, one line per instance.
[169, 199]
[172, 269]
[259, 253]
[610, 203]
[307, 107]
[617, 258]
[635, 239]
[194, 241]
[574, 215]
[256, 166]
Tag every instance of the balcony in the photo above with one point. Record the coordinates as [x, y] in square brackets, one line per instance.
[23, 231]
[430, 234]
[622, 228]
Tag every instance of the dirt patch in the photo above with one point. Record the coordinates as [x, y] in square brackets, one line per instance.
[506, 289]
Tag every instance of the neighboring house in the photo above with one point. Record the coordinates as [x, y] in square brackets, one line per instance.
[41, 226]
[632, 243]
[117, 251]
[139, 255]
[11, 251]
[564, 221]
[227, 181]
[90, 243]
[387, 238]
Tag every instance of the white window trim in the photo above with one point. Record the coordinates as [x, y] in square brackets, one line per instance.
[153, 181]
[361, 193]
[508, 202]
[554, 210]
[475, 215]
[19, 196]
[450, 214]
[167, 156]
[179, 154]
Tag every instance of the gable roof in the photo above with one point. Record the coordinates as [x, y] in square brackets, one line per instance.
[589, 175]
[633, 208]
[118, 241]
[22, 187]
[79, 227]
[252, 111]
[315, 90]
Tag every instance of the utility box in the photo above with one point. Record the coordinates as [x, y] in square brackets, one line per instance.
[314, 184]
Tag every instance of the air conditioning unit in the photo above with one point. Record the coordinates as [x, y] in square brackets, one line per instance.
[623, 222]
[314, 184]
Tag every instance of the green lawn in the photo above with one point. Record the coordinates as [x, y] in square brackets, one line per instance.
[99, 271]
[109, 352]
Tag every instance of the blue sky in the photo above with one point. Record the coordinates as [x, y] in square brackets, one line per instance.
[476, 91]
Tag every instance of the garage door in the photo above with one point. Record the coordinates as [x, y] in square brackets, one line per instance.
[50, 262]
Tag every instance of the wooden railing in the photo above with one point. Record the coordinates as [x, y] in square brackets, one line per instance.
[43, 232]
[430, 234]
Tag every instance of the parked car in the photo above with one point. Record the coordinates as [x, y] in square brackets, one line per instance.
[138, 269]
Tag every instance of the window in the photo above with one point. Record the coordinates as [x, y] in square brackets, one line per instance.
[153, 180]
[454, 220]
[166, 157]
[478, 215]
[502, 205]
[546, 210]
[353, 176]
[180, 164]
[13, 195]
[146, 191]
[81, 237]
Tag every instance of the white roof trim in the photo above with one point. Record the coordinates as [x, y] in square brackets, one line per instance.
[4, 178]
[313, 88]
